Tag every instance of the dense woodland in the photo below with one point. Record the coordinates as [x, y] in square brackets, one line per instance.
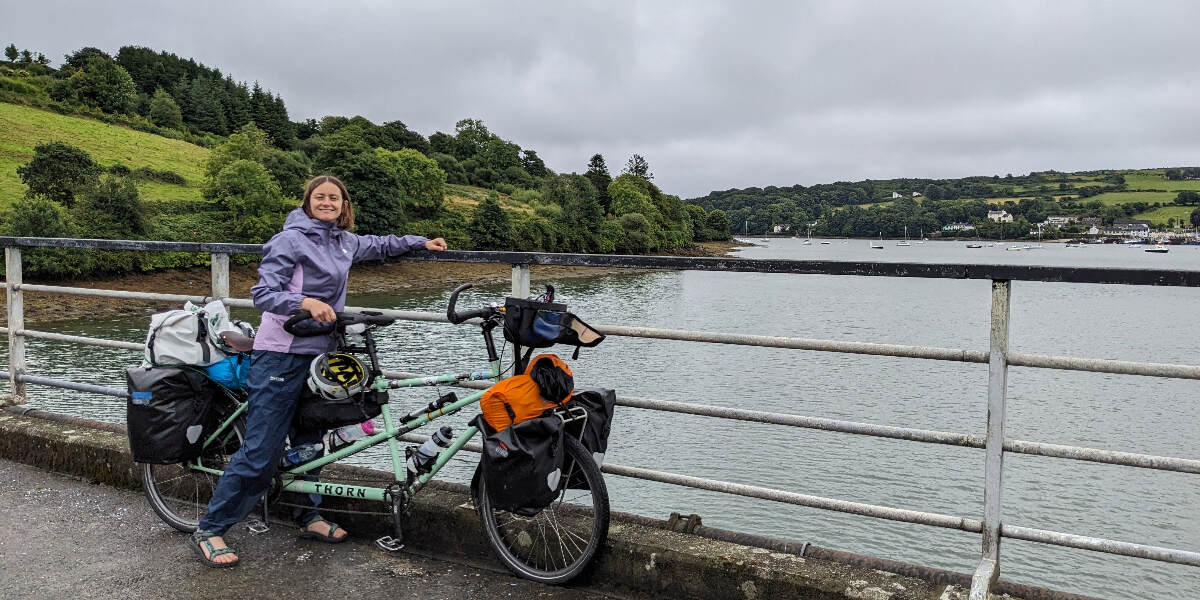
[260, 159]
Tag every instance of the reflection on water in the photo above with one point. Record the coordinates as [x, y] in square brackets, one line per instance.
[1136, 414]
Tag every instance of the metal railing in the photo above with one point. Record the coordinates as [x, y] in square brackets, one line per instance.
[997, 357]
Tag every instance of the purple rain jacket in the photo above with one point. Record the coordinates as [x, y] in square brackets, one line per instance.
[311, 259]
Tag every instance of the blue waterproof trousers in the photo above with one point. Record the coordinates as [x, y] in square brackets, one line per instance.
[274, 385]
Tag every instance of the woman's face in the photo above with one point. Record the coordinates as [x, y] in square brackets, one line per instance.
[326, 202]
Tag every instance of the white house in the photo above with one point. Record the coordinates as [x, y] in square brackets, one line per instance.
[915, 194]
[897, 195]
[1000, 216]
[959, 227]
[781, 228]
[1060, 220]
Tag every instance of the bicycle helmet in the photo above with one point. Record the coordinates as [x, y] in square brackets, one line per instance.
[337, 375]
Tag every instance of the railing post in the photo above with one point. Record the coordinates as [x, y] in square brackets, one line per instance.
[16, 323]
[220, 275]
[520, 281]
[993, 469]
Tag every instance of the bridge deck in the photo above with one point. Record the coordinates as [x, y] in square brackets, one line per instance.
[66, 538]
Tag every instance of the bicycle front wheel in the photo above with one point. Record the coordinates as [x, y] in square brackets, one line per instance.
[179, 493]
[557, 544]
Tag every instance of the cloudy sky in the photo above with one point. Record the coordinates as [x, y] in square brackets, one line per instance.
[715, 95]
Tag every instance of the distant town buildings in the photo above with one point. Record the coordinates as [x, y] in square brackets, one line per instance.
[959, 227]
[1000, 216]
[1130, 228]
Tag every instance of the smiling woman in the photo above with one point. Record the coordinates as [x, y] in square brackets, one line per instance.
[304, 267]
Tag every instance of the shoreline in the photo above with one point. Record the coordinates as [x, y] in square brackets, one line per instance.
[367, 278]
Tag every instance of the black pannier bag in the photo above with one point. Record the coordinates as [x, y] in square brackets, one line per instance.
[534, 324]
[598, 404]
[168, 413]
[317, 413]
[523, 464]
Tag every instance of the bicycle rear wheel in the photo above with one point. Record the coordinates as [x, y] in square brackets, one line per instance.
[560, 542]
[179, 493]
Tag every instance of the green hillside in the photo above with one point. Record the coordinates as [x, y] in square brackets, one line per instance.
[26, 127]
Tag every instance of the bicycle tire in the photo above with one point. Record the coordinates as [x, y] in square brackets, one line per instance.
[178, 493]
[526, 545]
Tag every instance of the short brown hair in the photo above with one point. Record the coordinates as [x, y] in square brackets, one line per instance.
[346, 219]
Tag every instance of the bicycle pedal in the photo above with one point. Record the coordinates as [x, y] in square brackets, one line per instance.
[256, 527]
[389, 543]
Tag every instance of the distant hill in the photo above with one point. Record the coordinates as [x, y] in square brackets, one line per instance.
[888, 206]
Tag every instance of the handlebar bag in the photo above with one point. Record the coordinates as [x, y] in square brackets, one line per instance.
[534, 324]
[523, 464]
[167, 413]
[317, 413]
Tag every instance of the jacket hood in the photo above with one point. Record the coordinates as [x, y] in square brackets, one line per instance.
[298, 220]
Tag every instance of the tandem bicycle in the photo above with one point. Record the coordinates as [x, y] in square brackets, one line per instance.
[552, 546]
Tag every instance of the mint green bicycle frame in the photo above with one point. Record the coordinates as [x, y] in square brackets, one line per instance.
[391, 432]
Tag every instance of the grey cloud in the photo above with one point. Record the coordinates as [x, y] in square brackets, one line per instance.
[713, 94]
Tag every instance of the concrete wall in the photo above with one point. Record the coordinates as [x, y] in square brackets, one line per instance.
[639, 557]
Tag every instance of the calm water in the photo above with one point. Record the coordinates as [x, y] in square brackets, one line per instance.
[1135, 414]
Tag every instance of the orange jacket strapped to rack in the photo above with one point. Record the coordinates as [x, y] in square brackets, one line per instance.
[518, 398]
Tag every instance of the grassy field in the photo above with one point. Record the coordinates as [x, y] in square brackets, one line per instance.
[464, 198]
[1109, 198]
[1161, 214]
[1154, 180]
[22, 128]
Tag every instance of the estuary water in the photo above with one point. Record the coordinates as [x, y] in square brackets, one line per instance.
[1126, 413]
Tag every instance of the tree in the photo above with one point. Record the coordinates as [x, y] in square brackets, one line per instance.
[638, 236]
[104, 84]
[1195, 218]
[597, 173]
[112, 209]
[38, 216]
[41, 59]
[26, 56]
[533, 164]
[421, 179]
[79, 59]
[11, 52]
[377, 197]
[442, 143]
[248, 143]
[250, 199]
[717, 225]
[638, 166]
[164, 112]
[1187, 198]
[581, 215]
[699, 222]
[489, 228]
[470, 137]
[59, 172]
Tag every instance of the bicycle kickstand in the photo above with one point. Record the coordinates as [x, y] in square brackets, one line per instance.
[257, 526]
[394, 543]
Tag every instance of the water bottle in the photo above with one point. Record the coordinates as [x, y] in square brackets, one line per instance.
[421, 459]
[340, 438]
[302, 453]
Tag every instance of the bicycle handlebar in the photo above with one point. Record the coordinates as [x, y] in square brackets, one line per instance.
[368, 317]
[456, 317]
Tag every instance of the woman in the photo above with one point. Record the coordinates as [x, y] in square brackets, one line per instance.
[304, 267]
